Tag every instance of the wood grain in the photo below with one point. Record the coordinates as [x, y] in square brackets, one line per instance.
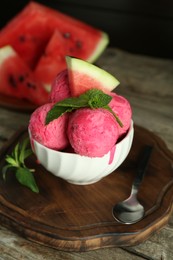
[79, 218]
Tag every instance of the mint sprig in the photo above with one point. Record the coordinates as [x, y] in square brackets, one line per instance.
[116, 117]
[93, 98]
[16, 162]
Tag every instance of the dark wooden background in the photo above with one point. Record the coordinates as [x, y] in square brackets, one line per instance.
[138, 26]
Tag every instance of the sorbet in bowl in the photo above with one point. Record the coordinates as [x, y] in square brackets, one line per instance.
[85, 132]
[79, 169]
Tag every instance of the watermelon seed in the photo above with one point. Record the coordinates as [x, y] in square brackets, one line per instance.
[12, 81]
[31, 85]
[22, 38]
[21, 78]
[66, 35]
[79, 44]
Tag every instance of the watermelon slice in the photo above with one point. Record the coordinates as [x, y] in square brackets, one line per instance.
[29, 32]
[52, 61]
[17, 80]
[84, 76]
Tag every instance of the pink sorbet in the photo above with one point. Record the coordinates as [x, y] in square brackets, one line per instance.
[122, 109]
[52, 135]
[60, 88]
[92, 132]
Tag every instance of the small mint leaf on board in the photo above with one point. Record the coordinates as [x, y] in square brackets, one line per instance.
[11, 161]
[16, 152]
[24, 151]
[16, 162]
[26, 178]
[4, 171]
[26, 154]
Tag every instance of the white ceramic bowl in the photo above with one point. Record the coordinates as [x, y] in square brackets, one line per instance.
[79, 169]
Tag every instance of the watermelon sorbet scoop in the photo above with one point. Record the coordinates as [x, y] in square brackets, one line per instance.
[92, 132]
[52, 135]
[122, 108]
[60, 87]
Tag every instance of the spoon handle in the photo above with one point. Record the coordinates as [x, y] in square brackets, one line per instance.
[142, 167]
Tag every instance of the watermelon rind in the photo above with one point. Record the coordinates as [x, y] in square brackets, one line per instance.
[6, 52]
[101, 46]
[17, 79]
[107, 80]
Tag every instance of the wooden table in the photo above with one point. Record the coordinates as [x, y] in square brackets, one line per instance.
[148, 84]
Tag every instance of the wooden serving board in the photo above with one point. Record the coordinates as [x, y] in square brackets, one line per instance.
[79, 218]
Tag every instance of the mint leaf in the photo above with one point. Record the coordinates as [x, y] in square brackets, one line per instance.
[11, 161]
[98, 99]
[26, 178]
[116, 117]
[24, 152]
[56, 112]
[4, 170]
[16, 151]
[74, 102]
[93, 98]
[16, 161]
[66, 105]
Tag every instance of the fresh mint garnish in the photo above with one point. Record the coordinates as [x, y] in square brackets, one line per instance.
[116, 117]
[16, 162]
[93, 98]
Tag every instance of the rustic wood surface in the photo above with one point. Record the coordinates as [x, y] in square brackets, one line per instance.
[147, 83]
[79, 218]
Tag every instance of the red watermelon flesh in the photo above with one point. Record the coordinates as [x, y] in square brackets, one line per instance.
[17, 80]
[31, 29]
[27, 33]
[52, 61]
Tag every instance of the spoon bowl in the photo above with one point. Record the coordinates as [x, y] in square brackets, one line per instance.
[131, 210]
[128, 211]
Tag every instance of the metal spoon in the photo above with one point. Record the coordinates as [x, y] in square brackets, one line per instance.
[130, 210]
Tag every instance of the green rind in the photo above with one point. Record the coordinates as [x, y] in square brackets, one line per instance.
[6, 52]
[104, 41]
[107, 80]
